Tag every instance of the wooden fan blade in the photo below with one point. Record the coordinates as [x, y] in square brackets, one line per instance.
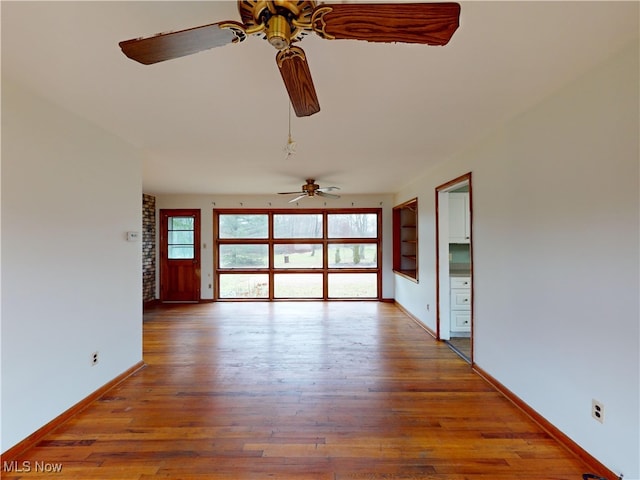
[426, 23]
[166, 46]
[291, 193]
[294, 69]
[326, 195]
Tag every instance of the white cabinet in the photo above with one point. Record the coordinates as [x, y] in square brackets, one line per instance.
[460, 321]
[459, 218]
[461, 282]
[460, 291]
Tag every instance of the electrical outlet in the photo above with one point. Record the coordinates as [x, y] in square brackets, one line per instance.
[597, 410]
[94, 358]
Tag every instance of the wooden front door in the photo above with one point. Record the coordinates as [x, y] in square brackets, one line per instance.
[180, 255]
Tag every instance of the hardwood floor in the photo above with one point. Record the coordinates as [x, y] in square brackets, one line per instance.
[305, 391]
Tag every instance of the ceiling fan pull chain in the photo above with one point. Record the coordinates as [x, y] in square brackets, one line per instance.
[290, 147]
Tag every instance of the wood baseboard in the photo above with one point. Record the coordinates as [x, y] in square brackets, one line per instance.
[594, 465]
[12, 453]
[150, 304]
[415, 319]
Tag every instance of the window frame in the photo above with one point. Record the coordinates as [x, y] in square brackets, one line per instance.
[323, 241]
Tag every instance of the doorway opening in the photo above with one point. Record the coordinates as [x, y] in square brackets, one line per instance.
[454, 281]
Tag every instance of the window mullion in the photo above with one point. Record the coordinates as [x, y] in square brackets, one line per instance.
[271, 258]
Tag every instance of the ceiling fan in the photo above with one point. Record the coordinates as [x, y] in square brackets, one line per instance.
[284, 23]
[312, 189]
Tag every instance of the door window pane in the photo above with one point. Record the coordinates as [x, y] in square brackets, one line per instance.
[181, 223]
[353, 285]
[243, 226]
[244, 256]
[297, 285]
[180, 238]
[352, 225]
[299, 225]
[296, 255]
[353, 255]
[244, 285]
[180, 252]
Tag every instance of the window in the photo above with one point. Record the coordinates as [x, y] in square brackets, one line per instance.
[243, 256]
[405, 239]
[309, 254]
[243, 226]
[298, 285]
[297, 225]
[243, 286]
[361, 285]
[353, 255]
[298, 255]
[353, 225]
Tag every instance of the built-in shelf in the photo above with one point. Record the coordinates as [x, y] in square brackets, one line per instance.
[410, 274]
[405, 239]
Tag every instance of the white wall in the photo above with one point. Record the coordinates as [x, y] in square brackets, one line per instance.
[206, 204]
[556, 258]
[419, 298]
[71, 283]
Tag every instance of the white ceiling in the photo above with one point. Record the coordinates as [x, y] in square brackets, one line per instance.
[217, 121]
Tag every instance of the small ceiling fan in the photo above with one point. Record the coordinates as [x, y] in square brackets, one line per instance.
[312, 189]
[284, 22]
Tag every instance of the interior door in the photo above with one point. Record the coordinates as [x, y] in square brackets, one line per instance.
[180, 255]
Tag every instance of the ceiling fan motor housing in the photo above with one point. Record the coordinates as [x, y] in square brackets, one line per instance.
[310, 187]
[281, 19]
[278, 32]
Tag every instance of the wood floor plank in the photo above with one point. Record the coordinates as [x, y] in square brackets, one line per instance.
[304, 391]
